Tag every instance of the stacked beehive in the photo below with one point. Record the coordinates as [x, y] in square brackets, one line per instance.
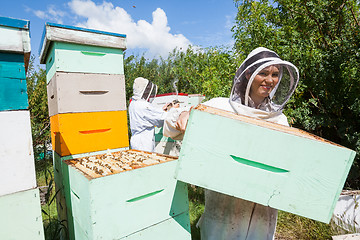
[19, 198]
[87, 107]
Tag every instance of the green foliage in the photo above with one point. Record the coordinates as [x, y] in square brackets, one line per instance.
[205, 71]
[322, 39]
[37, 95]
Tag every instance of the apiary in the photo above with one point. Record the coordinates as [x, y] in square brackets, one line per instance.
[75, 133]
[117, 194]
[90, 92]
[270, 164]
[21, 216]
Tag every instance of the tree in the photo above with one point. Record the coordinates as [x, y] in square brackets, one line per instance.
[38, 106]
[321, 37]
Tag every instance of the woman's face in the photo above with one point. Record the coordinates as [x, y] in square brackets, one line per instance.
[263, 83]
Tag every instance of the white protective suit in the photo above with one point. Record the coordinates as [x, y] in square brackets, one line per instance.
[226, 217]
[143, 116]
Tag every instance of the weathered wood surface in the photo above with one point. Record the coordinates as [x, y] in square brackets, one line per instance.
[61, 33]
[20, 216]
[75, 133]
[15, 37]
[270, 164]
[90, 92]
[16, 152]
[347, 211]
[69, 57]
[120, 204]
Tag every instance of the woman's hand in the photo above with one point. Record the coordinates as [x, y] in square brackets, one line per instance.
[182, 121]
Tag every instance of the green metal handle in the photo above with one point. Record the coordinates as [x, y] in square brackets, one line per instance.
[259, 165]
[93, 53]
[144, 196]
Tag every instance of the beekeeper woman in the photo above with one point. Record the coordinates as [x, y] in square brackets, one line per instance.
[262, 85]
[143, 116]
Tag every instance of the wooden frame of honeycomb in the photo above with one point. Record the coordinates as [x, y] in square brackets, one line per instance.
[115, 162]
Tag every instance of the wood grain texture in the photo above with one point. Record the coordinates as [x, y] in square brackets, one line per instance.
[15, 40]
[281, 167]
[91, 93]
[71, 133]
[20, 216]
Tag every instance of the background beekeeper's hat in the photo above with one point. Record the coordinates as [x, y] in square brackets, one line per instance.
[143, 89]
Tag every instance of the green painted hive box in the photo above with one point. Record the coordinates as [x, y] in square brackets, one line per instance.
[115, 195]
[73, 49]
[270, 164]
[13, 89]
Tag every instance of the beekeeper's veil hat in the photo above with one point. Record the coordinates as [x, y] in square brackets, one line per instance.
[144, 89]
[257, 60]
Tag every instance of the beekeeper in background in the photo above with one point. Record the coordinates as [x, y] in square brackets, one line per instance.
[262, 85]
[143, 116]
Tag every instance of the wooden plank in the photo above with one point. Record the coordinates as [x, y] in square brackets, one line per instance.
[13, 94]
[12, 70]
[16, 152]
[177, 227]
[14, 40]
[20, 216]
[75, 133]
[61, 33]
[15, 23]
[91, 93]
[347, 212]
[120, 204]
[69, 57]
[270, 164]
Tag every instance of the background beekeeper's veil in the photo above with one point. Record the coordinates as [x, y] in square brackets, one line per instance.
[257, 60]
[144, 89]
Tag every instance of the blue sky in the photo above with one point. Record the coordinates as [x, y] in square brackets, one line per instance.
[152, 26]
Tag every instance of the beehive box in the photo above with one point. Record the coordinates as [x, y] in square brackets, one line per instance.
[15, 37]
[117, 194]
[13, 91]
[16, 152]
[90, 92]
[20, 216]
[75, 133]
[270, 164]
[166, 145]
[73, 49]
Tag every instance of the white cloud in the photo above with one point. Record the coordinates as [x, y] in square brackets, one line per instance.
[154, 36]
[51, 14]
